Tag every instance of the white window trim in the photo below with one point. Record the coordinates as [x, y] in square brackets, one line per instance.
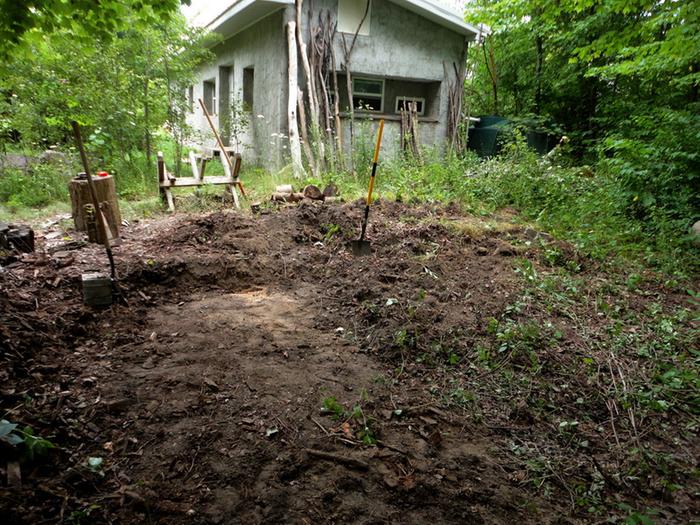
[411, 99]
[372, 95]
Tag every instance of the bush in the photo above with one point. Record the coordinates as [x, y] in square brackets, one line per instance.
[39, 186]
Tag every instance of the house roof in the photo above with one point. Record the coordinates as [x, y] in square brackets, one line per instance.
[229, 17]
[437, 13]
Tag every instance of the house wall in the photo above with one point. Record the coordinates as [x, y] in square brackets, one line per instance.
[263, 47]
[400, 45]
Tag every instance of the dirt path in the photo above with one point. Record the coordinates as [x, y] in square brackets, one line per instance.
[261, 374]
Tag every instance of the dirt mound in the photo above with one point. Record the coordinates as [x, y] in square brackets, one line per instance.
[256, 372]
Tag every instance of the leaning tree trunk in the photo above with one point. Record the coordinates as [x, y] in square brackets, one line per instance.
[294, 144]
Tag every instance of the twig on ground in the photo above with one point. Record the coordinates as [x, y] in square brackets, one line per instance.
[357, 463]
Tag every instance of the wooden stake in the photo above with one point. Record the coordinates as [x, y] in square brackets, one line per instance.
[305, 136]
[311, 85]
[195, 169]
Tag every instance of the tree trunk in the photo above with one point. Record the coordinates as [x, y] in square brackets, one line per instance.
[294, 144]
[147, 124]
[538, 74]
[106, 196]
[491, 67]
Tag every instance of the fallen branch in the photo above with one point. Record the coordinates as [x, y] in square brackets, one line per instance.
[357, 463]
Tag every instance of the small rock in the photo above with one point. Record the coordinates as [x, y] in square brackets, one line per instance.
[504, 250]
[482, 250]
[51, 156]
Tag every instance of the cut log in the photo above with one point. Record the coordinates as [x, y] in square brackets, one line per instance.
[106, 196]
[331, 190]
[286, 197]
[284, 188]
[313, 192]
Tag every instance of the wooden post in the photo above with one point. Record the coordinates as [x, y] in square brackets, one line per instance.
[294, 144]
[165, 193]
[305, 136]
[311, 83]
[229, 173]
[195, 169]
[336, 111]
[161, 175]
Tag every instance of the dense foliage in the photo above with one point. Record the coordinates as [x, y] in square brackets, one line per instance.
[620, 78]
[29, 19]
[121, 89]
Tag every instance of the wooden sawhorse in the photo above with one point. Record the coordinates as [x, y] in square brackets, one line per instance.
[167, 180]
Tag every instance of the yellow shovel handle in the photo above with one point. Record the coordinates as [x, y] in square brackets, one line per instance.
[374, 161]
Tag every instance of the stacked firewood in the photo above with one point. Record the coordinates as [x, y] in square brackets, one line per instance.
[286, 194]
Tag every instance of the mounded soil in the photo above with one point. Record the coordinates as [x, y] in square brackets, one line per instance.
[202, 388]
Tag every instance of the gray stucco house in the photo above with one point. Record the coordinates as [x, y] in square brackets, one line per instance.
[404, 50]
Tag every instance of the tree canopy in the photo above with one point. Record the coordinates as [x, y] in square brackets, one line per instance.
[81, 17]
[619, 77]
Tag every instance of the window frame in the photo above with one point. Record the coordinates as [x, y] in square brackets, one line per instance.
[211, 82]
[373, 96]
[190, 98]
[410, 99]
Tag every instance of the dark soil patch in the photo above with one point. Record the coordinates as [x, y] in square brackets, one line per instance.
[203, 393]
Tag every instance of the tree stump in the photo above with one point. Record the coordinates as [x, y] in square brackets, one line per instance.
[106, 196]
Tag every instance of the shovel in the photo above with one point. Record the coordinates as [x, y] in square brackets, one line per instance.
[361, 246]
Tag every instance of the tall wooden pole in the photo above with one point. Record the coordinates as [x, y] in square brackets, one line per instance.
[107, 238]
[294, 144]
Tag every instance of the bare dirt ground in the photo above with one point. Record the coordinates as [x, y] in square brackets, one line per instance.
[256, 372]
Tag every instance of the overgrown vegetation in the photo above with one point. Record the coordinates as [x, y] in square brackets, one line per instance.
[621, 81]
[625, 184]
[125, 89]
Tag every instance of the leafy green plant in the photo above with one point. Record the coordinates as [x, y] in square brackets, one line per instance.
[338, 412]
[32, 446]
[331, 406]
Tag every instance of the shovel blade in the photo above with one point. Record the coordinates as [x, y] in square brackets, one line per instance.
[360, 248]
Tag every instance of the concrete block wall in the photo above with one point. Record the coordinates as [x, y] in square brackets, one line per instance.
[400, 45]
[263, 47]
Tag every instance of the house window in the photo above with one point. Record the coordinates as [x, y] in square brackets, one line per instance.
[368, 94]
[403, 104]
[190, 99]
[350, 14]
[248, 87]
[209, 89]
